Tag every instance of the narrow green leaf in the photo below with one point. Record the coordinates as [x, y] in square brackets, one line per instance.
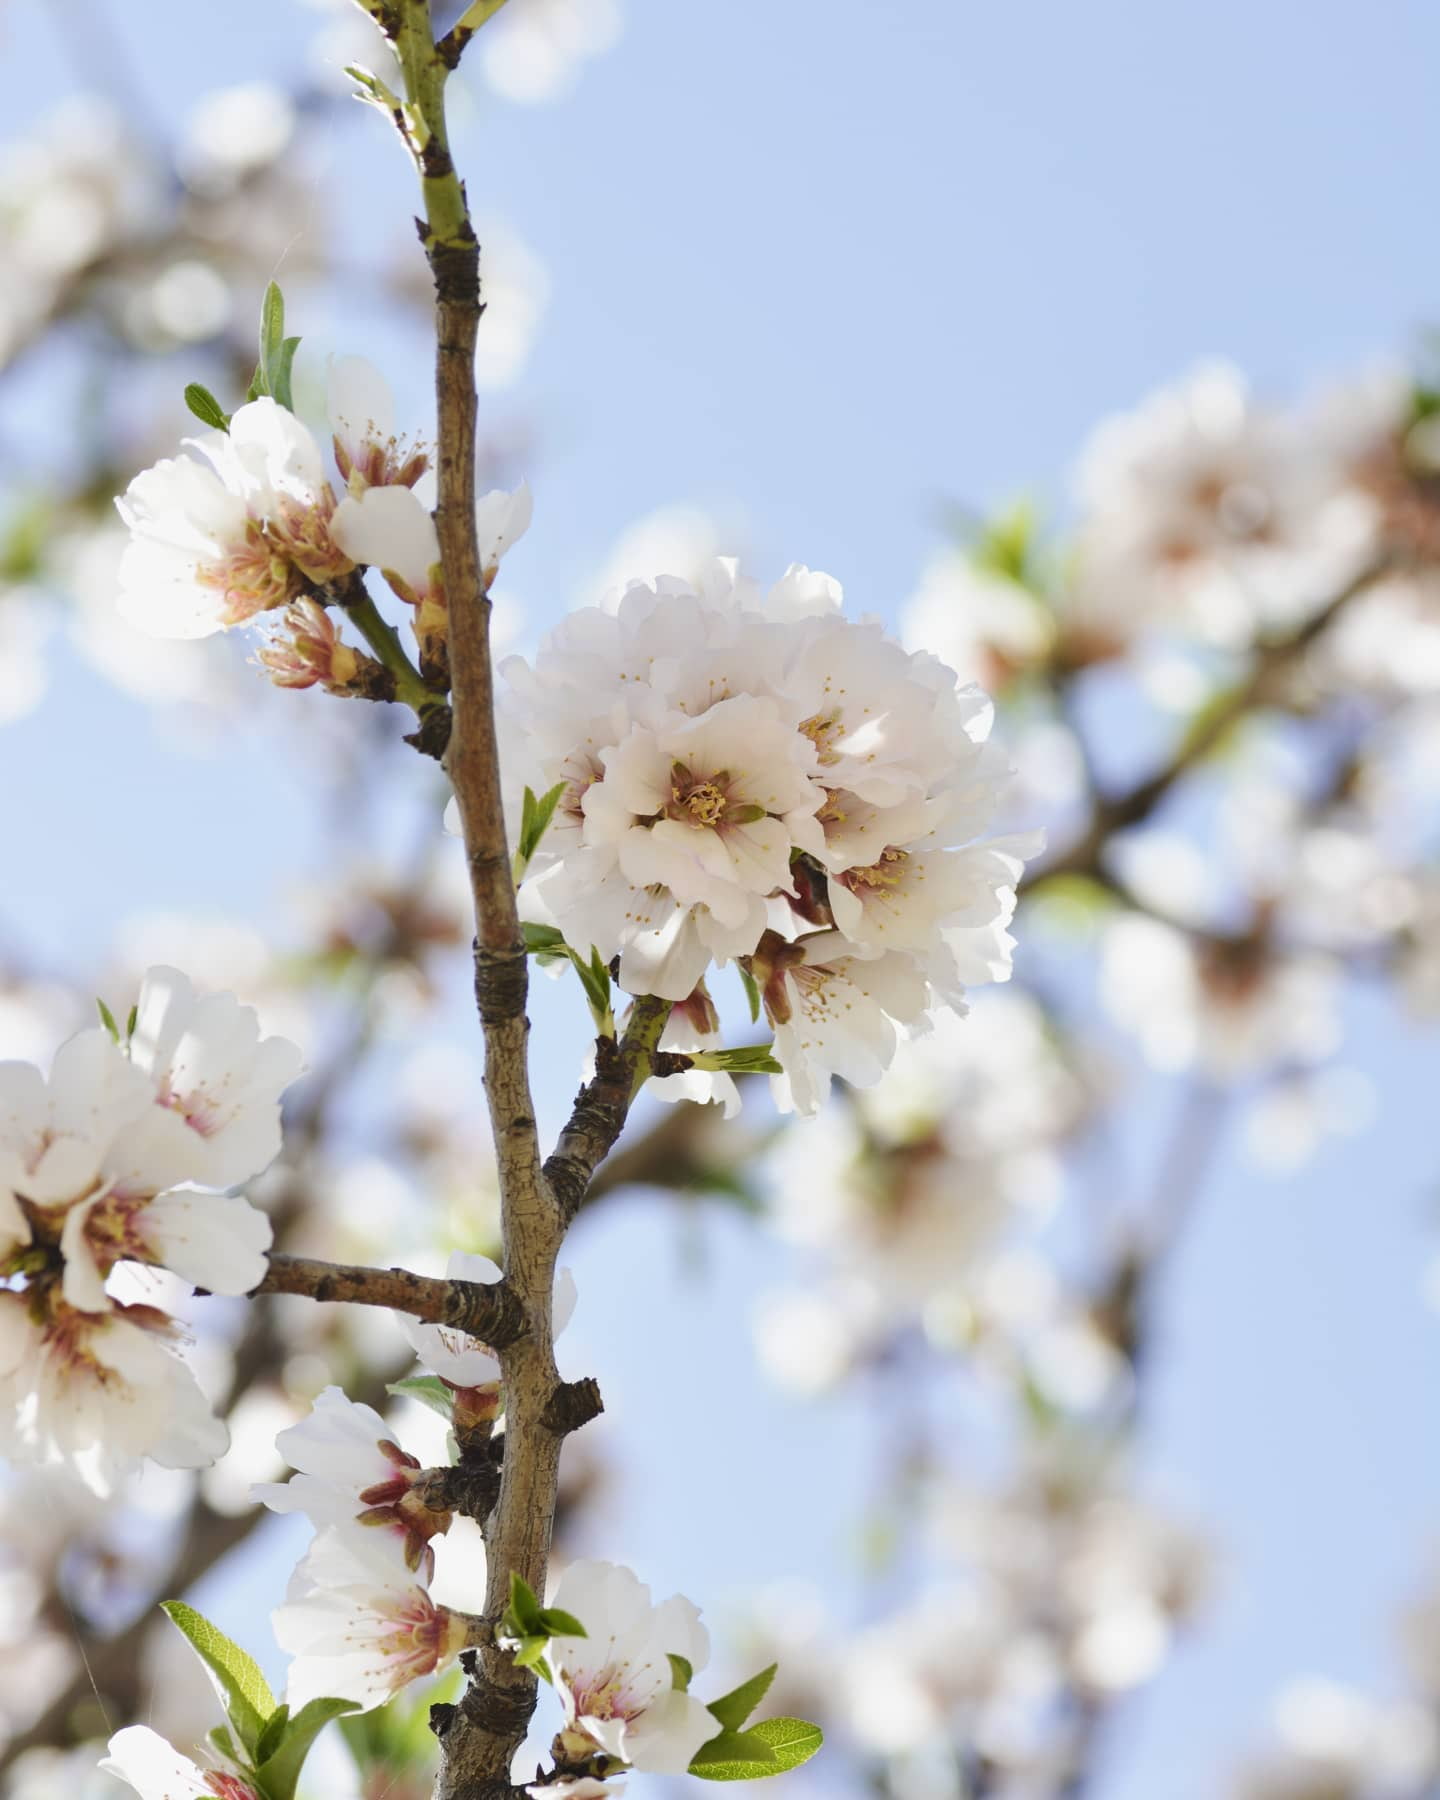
[272, 327]
[524, 1607]
[529, 1653]
[107, 1019]
[734, 1708]
[752, 992]
[223, 1742]
[206, 407]
[243, 1690]
[429, 1390]
[257, 388]
[540, 939]
[556, 1622]
[274, 1732]
[280, 373]
[682, 1671]
[534, 822]
[745, 1059]
[130, 1022]
[769, 1748]
[280, 1770]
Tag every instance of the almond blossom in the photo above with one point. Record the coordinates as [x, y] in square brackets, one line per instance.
[362, 418]
[105, 1163]
[742, 772]
[616, 1683]
[358, 1624]
[351, 1470]
[237, 529]
[157, 1771]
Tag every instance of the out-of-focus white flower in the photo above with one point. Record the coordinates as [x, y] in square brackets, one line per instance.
[157, 1771]
[1207, 513]
[97, 1391]
[536, 49]
[234, 132]
[681, 540]
[617, 1683]
[1227, 1011]
[1338, 1744]
[502, 518]
[982, 624]
[517, 293]
[358, 1625]
[24, 628]
[213, 1070]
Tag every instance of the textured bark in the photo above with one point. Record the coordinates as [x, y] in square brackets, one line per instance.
[488, 1311]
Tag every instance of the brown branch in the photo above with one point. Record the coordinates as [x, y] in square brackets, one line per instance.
[603, 1103]
[1273, 660]
[485, 1310]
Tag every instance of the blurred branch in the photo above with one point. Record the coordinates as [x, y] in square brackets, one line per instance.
[1273, 659]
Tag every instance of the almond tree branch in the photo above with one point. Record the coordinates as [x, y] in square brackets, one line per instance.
[1273, 659]
[479, 1736]
[485, 1310]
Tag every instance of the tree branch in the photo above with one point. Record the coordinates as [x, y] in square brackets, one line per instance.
[485, 1310]
[1273, 659]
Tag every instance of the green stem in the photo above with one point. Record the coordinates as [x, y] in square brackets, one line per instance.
[383, 639]
[648, 1018]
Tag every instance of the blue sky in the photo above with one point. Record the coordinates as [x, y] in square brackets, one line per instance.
[820, 265]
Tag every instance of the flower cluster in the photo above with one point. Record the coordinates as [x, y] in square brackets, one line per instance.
[115, 1159]
[359, 1619]
[249, 523]
[754, 778]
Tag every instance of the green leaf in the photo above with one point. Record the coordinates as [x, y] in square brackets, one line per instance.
[556, 1622]
[273, 1734]
[279, 373]
[682, 1671]
[243, 1690]
[429, 1390]
[734, 1708]
[545, 940]
[734, 1756]
[534, 821]
[224, 1743]
[130, 1022]
[257, 388]
[524, 1609]
[752, 992]
[595, 979]
[272, 327]
[529, 1653]
[280, 1771]
[745, 1059]
[107, 1019]
[206, 408]
[769, 1748]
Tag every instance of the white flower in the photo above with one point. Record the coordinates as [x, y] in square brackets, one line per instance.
[157, 1771]
[358, 1625]
[96, 1391]
[501, 519]
[835, 1013]
[574, 1787]
[464, 1361]
[616, 1682]
[1205, 510]
[536, 51]
[350, 1468]
[214, 1071]
[391, 529]
[217, 1241]
[237, 530]
[362, 417]
[694, 1025]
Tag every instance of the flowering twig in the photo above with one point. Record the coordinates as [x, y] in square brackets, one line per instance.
[361, 610]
